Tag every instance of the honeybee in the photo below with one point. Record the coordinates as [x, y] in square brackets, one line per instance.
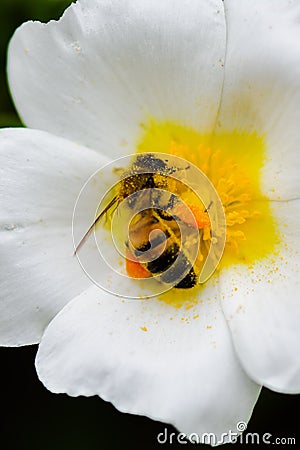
[149, 181]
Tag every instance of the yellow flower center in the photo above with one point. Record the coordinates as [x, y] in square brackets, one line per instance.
[233, 162]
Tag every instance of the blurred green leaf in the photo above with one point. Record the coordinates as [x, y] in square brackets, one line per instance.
[10, 120]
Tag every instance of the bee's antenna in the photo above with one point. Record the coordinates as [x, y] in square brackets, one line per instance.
[210, 203]
[87, 234]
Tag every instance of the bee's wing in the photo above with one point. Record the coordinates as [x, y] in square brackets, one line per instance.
[101, 214]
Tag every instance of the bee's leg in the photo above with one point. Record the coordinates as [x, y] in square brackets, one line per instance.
[162, 211]
[171, 202]
[164, 215]
[207, 209]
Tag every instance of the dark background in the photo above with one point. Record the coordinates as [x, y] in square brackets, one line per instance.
[33, 418]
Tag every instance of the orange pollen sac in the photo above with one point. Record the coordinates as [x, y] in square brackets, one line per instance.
[201, 217]
[133, 268]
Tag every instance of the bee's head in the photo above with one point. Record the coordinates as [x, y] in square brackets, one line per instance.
[150, 162]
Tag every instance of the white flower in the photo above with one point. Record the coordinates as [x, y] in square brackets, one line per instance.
[87, 83]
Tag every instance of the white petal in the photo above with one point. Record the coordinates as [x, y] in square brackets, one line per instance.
[105, 67]
[264, 312]
[262, 86]
[40, 178]
[181, 370]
